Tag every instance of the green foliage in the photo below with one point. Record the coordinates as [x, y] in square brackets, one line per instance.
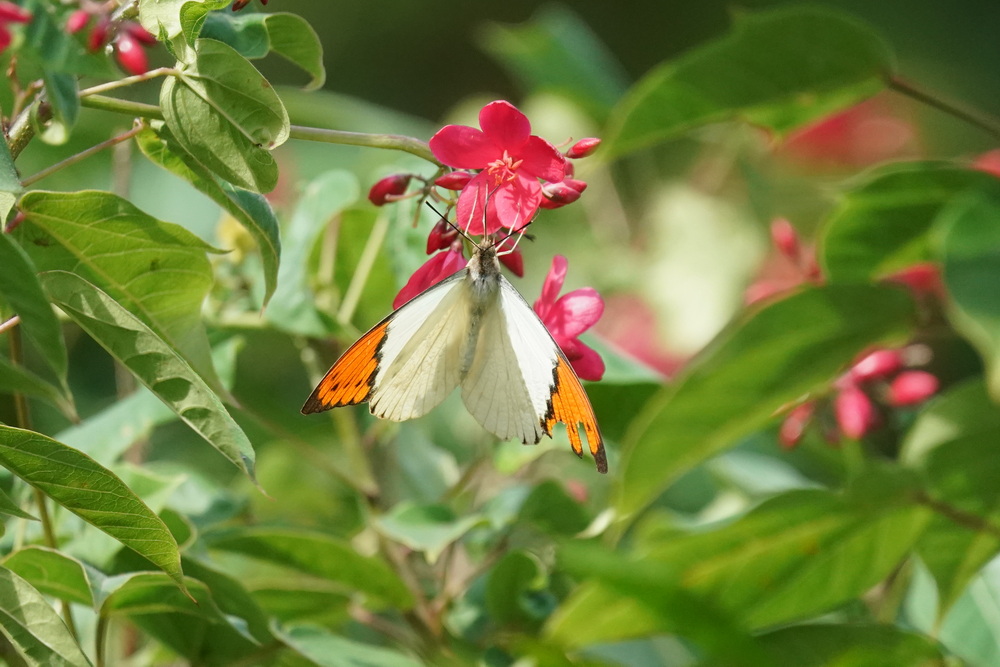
[131, 342]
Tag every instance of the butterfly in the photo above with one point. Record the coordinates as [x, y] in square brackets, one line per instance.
[474, 330]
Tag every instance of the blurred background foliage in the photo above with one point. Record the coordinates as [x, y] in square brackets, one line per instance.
[672, 236]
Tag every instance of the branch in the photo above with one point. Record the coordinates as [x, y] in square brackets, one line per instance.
[975, 118]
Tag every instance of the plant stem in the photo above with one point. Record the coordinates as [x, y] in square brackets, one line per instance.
[82, 155]
[975, 118]
[23, 417]
[127, 81]
[118, 105]
[10, 324]
[392, 141]
[965, 519]
[364, 267]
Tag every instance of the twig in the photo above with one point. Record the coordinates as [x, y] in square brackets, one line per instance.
[82, 155]
[982, 121]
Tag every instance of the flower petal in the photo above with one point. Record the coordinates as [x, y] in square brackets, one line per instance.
[550, 289]
[463, 147]
[577, 311]
[433, 271]
[588, 365]
[470, 212]
[506, 127]
[515, 203]
[541, 160]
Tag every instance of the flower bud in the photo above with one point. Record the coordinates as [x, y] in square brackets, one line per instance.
[130, 54]
[559, 194]
[924, 278]
[785, 238]
[98, 34]
[453, 180]
[77, 21]
[912, 387]
[794, 426]
[583, 148]
[139, 33]
[855, 412]
[877, 365]
[441, 236]
[394, 184]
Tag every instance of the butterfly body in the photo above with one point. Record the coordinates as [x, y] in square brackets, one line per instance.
[472, 330]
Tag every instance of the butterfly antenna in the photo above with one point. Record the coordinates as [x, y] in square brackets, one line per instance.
[452, 224]
[520, 235]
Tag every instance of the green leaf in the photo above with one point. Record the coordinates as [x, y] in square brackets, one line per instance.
[249, 208]
[511, 590]
[970, 254]
[225, 114]
[771, 356]
[952, 443]
[231, 597]
[157, 270]
[883, 225]
[844, 645]
[427, 528]
[780, 68]
[54, 573]
[18, 379]
[138, 593]
[33, 628]
[326, 649]
[556, 51]
[550, 508]
[92, 492]
[318, 555]
[10, 182]
[193, 16]
[106, 435]
[293, 308]
[10, 508]
[657, 598]
[152, 362]
[63, 99]
[794, 556]
[256, 35]
[22, 291]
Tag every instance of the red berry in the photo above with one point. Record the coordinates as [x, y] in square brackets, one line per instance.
[130, 54]
[877, 365]
[77, 21]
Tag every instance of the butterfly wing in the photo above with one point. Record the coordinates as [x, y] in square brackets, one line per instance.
[408, 363]
[520, 384]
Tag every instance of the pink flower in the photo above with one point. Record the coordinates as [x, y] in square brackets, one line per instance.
[506, 192]
[10, 13]
[876, 365]
[566, 191]
[568, 316]
[434, 270]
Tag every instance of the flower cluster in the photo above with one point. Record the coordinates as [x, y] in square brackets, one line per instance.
[880, 380]
[128, 39]
[10, 13]
[503, 174]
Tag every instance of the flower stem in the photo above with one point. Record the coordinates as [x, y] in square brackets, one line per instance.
[392, 141]
[121, 106]
[10, 324]
[82, 155]
[364, 267]
[127, 81]
[978, 119]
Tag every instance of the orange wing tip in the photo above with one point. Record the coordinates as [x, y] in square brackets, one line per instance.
[351, 379]
[569, 404]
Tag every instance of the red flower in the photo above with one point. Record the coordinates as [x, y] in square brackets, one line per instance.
[559, 194]
[506, 192]
[453, 180]
[583, 148]
[10, 13]
[442, 235]
[568, 316]
[434, 270]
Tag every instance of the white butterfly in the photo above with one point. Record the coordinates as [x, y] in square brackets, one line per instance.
[475, 330]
